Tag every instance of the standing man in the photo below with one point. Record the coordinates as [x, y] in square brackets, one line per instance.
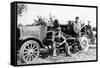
[90, 33]
[77, 26]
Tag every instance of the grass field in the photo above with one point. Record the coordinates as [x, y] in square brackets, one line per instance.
[81, 56]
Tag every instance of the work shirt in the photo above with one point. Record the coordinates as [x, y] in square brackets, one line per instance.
[77, 27]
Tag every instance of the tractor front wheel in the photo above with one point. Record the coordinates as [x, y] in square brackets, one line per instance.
[84, 43]
[30, 51]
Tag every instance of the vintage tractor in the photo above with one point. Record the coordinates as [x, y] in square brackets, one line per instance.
[40, 39]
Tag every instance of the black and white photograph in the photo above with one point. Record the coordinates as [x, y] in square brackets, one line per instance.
[53, 33]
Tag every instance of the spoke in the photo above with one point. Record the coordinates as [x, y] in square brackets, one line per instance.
[26, 55]
[25, 52]
[28, 58]
[35, 49]
[32, 57]
[30, 46]
[26, 49]
[83, 43]
[34, 54]
[33, 46]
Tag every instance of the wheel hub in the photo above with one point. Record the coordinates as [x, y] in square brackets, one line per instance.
[30, 51]
[84, 43]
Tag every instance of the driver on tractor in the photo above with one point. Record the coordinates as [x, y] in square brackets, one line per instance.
[77, 26]
[77, 29]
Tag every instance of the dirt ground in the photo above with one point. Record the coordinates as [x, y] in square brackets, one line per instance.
[81, 56]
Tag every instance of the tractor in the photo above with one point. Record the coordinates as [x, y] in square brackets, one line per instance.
[41, 39]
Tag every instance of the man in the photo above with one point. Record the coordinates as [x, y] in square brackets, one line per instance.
[77, 29]
[90, 33]
[59, 40]
[77, 26]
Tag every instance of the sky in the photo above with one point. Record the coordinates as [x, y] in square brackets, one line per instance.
[62, 13]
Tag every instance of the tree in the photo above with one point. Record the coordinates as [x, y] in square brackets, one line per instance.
[21, 8]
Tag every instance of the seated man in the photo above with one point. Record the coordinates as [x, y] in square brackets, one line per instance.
[59, 40]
